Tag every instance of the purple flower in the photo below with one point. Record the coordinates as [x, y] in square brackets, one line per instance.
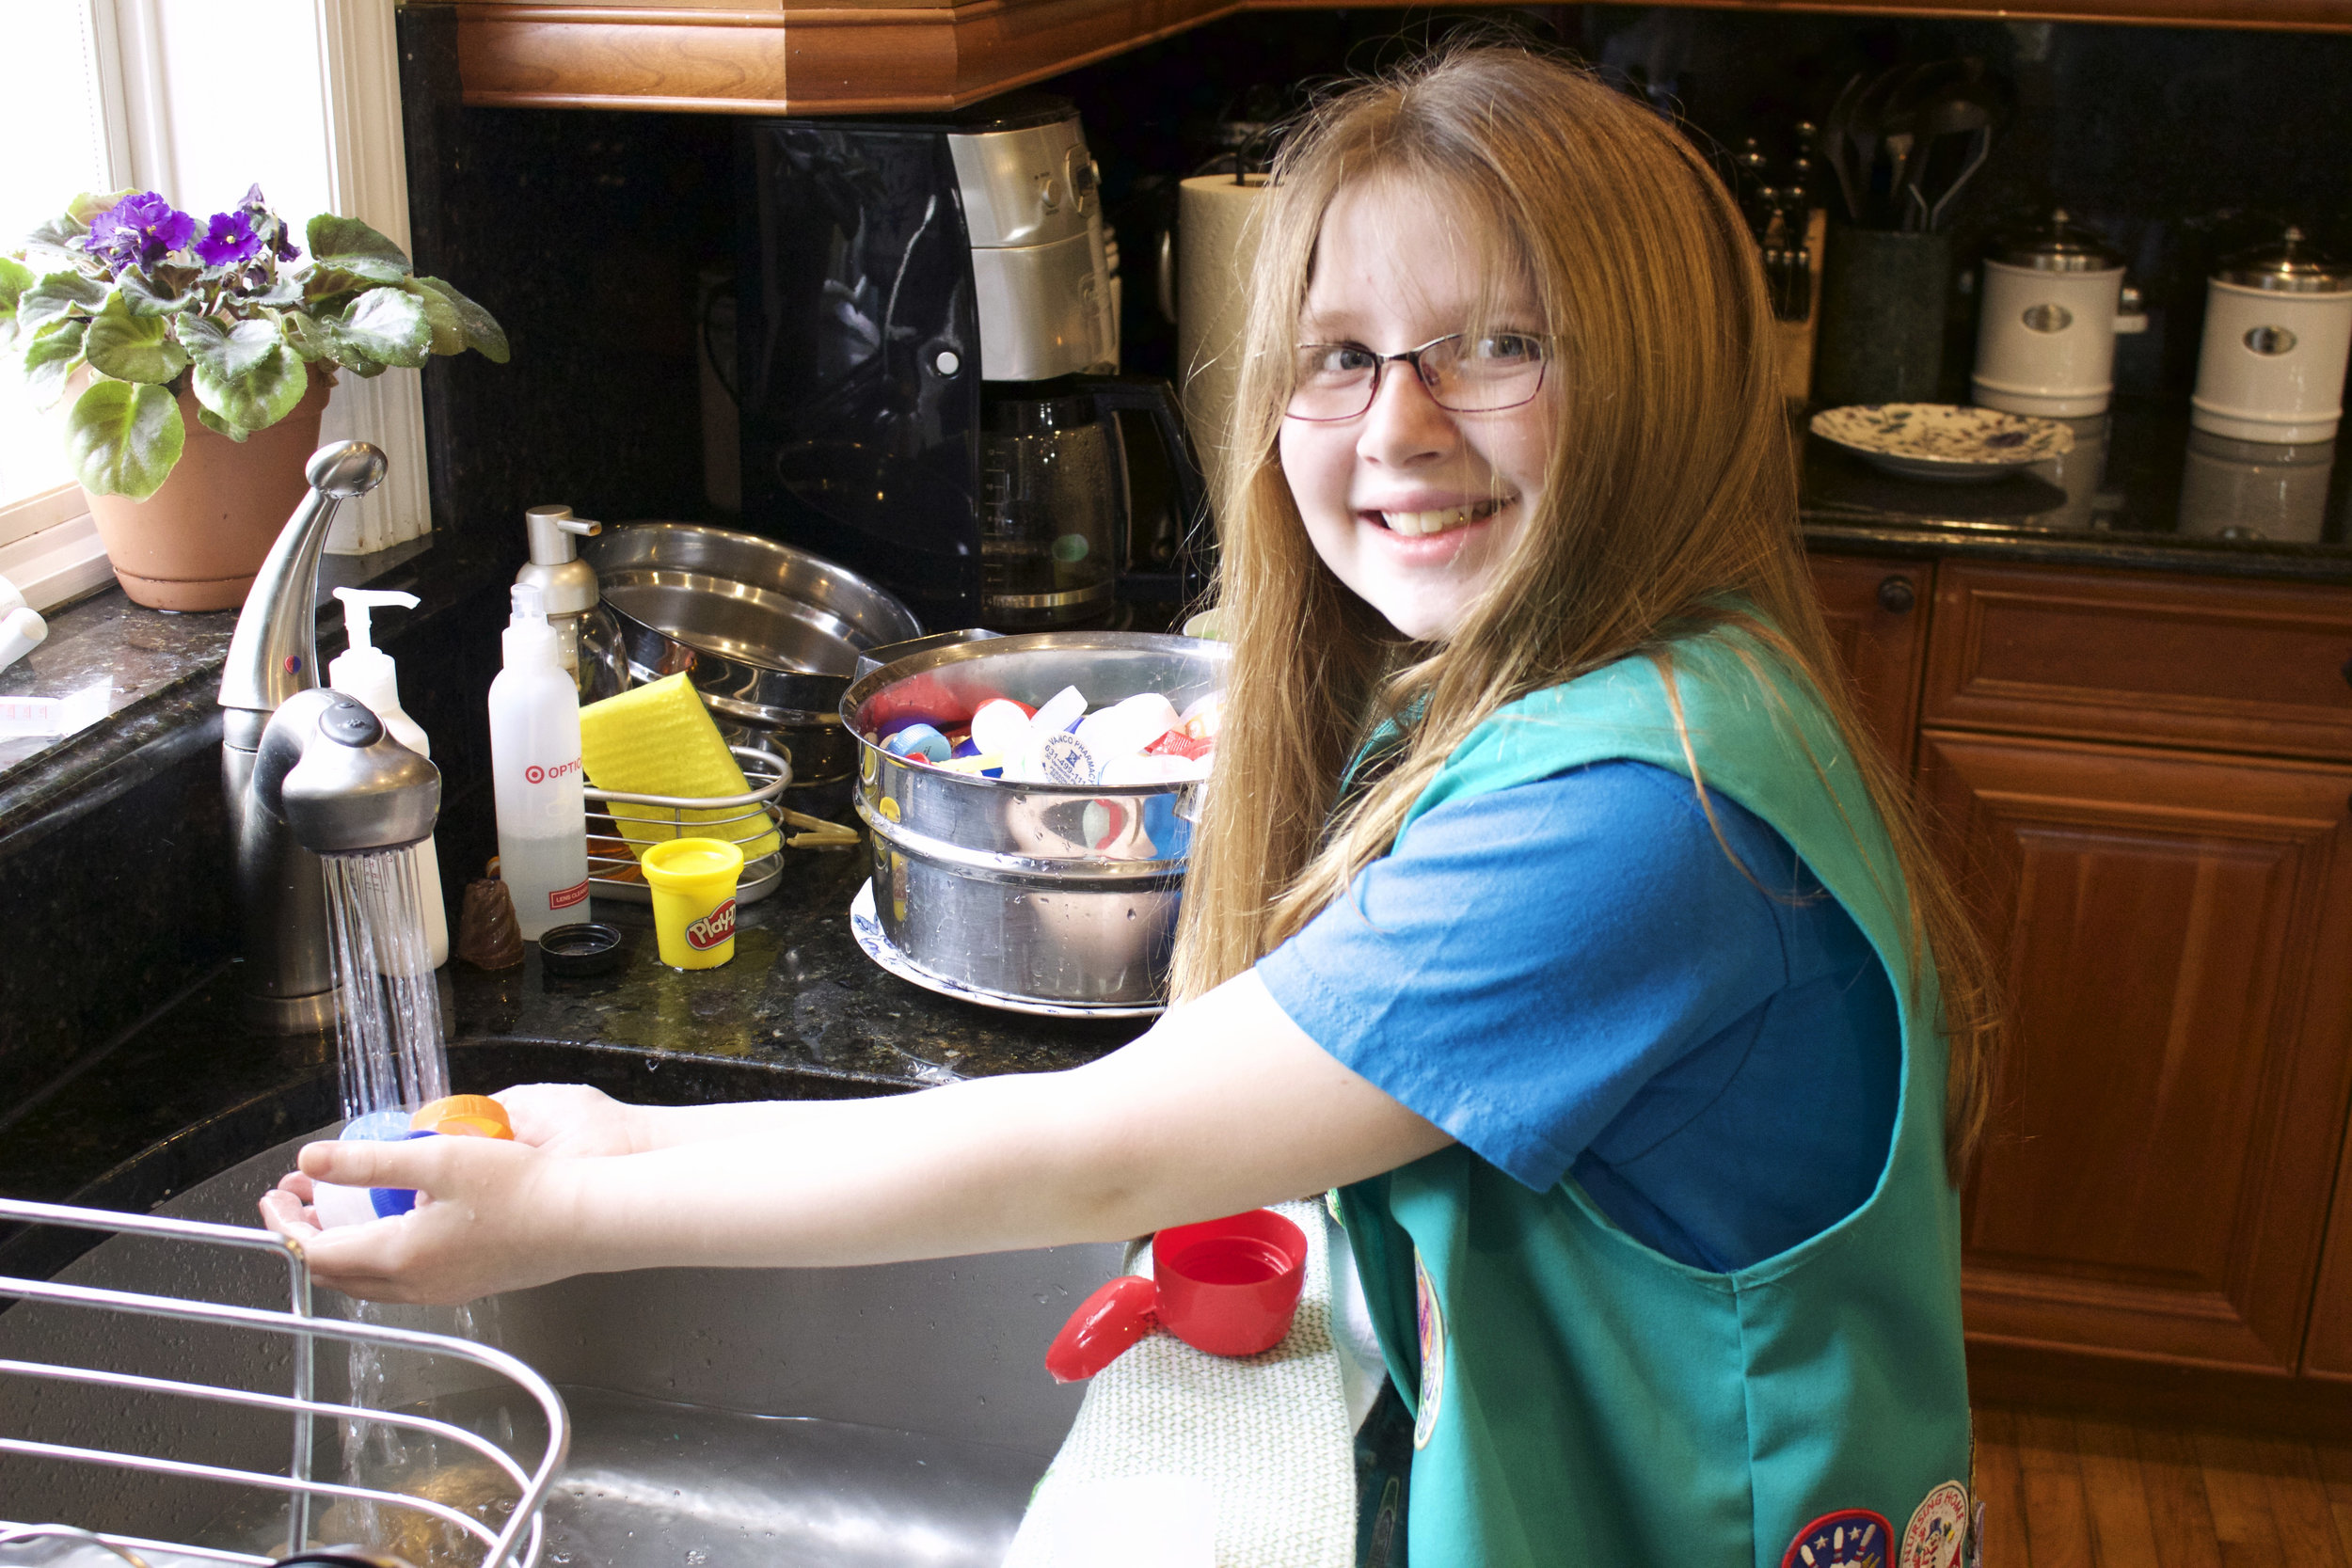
[141, 229]
[268, 224]
[229, 241]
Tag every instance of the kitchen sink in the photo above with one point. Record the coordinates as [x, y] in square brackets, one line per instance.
[892, 1414]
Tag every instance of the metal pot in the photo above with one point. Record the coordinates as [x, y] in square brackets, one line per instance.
[770, 636]
[1030, 891]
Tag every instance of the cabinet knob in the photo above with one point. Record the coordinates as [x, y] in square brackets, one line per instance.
[1897, 596]
[2348, 672]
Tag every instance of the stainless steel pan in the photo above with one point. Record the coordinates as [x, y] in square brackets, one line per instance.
[770, 636]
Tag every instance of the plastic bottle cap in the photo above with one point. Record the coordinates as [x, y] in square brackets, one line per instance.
[528, 639]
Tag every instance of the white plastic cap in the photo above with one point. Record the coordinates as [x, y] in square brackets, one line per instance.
[528, 639]
[22, 630]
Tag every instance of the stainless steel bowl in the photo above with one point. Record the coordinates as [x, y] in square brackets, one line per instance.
[770, 636]
[1032, 892]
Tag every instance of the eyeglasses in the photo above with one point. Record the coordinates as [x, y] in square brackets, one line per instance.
[1464, 375]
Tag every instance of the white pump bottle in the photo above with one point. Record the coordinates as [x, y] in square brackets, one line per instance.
[535, 773]
[365, 671]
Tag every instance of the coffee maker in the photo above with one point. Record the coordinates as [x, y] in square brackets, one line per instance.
[927, 345]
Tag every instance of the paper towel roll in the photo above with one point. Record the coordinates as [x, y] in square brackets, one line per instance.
[1215, 250]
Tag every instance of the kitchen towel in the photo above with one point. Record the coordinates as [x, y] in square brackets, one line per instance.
[1217, 247]
[1255, 1454]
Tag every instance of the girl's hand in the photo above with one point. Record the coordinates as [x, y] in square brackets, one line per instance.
[572, 1119]
[490, 1217]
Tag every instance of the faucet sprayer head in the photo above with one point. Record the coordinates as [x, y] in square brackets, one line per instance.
[327, 769]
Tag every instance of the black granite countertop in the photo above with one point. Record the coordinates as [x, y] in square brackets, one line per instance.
[800, 1013]
[2140, 491]
[163, 671]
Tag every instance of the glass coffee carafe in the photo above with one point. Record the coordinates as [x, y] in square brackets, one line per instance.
[1054, 494]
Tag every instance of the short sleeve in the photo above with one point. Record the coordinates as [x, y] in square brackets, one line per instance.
[1526, 960]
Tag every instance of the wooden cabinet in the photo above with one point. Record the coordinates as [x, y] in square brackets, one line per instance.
[898, 57]
[2144, 783]
[2173, 926]
[1877, 612]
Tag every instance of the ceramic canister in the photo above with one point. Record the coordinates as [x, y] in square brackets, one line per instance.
[2045, 338]
[2278, 328]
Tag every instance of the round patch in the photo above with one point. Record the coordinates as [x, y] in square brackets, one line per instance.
[1429, 1317]
[1850, 1538]
[1938, 1529]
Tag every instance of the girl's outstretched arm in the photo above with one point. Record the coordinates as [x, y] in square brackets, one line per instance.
[1226, 1106]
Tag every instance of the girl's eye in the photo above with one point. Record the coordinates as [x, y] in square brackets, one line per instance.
[1500, 349]
[1335, 361]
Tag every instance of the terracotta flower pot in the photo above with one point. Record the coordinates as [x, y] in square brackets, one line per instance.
[198, 543]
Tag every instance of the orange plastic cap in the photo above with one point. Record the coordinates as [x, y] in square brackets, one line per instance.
[466, 1116]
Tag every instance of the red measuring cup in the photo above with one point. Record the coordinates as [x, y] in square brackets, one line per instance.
[1228, 1286]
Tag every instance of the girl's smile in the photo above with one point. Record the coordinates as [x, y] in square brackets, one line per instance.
[1411, 506]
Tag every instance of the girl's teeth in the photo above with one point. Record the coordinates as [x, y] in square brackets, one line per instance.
[1414, 523]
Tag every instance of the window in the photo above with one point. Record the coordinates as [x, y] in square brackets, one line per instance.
[314, 120]
[53, 100]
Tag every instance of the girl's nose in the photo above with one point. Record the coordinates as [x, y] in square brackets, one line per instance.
[1405, 425]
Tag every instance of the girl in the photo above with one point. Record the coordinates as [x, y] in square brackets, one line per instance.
[1550, 904]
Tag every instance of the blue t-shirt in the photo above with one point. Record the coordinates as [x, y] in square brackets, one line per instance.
[1571, 976]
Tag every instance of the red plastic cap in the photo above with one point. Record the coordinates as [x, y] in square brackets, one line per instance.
[1104, 1324]
[1231, 1286]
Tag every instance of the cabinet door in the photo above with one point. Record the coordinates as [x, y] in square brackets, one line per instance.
[2173, 928]
[2328, 1351]
[1877, 612]
[2143, 655]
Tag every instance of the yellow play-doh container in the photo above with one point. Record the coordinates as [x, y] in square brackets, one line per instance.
[693, 880]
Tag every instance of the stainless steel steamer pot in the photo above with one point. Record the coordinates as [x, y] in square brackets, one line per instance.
[769, 635]
[1032, 892]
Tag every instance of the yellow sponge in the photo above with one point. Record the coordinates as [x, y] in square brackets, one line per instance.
[659, 739]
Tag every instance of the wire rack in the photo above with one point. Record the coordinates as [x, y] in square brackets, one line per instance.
[515, 1545]
[616, 836]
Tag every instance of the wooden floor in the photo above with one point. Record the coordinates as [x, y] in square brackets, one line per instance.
[2074, 1492]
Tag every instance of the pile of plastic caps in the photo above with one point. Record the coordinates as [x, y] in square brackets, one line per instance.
[1142, 739]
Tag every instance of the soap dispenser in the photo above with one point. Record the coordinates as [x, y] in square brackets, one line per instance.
[364, 671]
[587, 643]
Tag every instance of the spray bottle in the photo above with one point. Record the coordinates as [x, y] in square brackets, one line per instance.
[365, 671]
[535, 773]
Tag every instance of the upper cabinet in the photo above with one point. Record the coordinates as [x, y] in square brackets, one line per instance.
[875, 57]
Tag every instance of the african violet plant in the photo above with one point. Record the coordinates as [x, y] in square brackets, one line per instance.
[134, 289]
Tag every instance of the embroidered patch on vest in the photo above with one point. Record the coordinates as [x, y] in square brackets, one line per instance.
[1938, 1527]
[1430, 1319]
[1850, 1538]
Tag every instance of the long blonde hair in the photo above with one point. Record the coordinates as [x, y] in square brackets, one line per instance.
[1670, 490]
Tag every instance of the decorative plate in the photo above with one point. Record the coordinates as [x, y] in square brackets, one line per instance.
[1942, 440]
[867, 927]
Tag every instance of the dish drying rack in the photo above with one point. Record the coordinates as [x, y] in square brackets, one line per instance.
[516, 1546]
[612, 869]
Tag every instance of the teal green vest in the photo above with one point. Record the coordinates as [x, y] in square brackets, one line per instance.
[1581, 1399]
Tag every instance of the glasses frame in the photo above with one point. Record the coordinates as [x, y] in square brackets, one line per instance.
[1380, 362]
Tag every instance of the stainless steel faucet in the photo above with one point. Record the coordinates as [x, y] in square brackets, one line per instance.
[308, 771]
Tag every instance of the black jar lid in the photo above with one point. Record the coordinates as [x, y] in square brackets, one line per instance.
[577, 952]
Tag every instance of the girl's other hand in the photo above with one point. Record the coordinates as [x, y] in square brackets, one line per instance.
[571, 1119]
[488, 1219]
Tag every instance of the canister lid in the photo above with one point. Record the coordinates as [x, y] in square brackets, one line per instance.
[2057, 243]
[2289, 265]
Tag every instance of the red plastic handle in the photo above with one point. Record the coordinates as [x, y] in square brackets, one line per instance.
[1104, 1324]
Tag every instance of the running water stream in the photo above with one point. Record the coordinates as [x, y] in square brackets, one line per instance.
[392, 1058]
[390, 1023]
